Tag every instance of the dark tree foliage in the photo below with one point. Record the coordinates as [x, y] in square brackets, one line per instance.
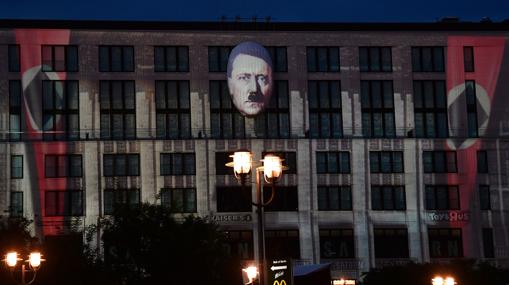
[465, 272]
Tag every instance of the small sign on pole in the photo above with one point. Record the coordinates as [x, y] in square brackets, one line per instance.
[279, 272]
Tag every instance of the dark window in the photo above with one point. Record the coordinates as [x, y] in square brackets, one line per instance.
[428, 59]
[333, 162]
[391, 243]
[171, 59]
[63, 166]
[14, 58]
[118, 109]
[221, 159]
[445, 243]
[279, 61]
[439, 161]
[386, 161]
[15, 96]
[388, 198]
[178, 164]
[225, 119]
[173, 109]
[487, 242]
[323, 59]
[116, 59]
[289, 160]
[218, 58]
[239, 244]
[482, 161]
[114, 198]
[233, 199]
[274, 122]
[60, 109]
[121, 165]
[324, 99]
[285, 198]
[375, 59]
[484, 197]
[430, 109]
[471, 108]
[334, 198]
[179, 200]
[377, 100]
[442, 197]
[468, 59]
[63, 203]
[59, 58]
[16, 209]
[282, 244]
[337, 243]
[16, 166]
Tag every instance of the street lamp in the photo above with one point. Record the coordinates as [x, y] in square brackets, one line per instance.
[439, 280]
[272, 171]
[34, 261]
[251, 273]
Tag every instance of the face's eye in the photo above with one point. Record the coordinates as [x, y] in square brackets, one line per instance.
[263, 79]
[244, 77]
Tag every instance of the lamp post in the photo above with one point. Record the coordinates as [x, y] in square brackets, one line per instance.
[272, 170]
[34, 263]
[439, 280]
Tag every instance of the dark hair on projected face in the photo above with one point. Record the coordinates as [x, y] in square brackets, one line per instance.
[248, 48]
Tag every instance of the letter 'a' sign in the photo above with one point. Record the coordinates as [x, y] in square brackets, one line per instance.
[279, 272]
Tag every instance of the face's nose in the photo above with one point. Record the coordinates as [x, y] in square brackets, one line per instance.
[252, 85]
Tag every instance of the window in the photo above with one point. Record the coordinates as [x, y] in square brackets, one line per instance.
[278, 55]
[179, 200]
[15, 109]
[116, 59]
[439, 161]
[334, 198]
[428, 59]
[59, 58]
[218, 58]
[16, 166]
[471, 108]
[375, 59]
[274, 122]
[484, 197]
[60, 109]
[171, 59]
[16, 209]
[282, 244]
[234, 199]
[289, 160]
[482, 161]
[391, 243]
[115, 198]
[391, 198]
[118, 109]
[63, 166]
[336, 243]
[430, 109]
[442, 197]
[63, 203]
[386, 161]
[487, 242]
[177, 164]
[173, 109]
[225, 119]
[323, 59]
[239, 244]
[121, 165]
[377, 108]
[223, 158]
[14, 58]
[445, 243]
[333, 162]
[468, 59]
[285, 198]
[324, 99]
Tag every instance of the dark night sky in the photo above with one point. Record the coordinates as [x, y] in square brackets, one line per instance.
[281, 11]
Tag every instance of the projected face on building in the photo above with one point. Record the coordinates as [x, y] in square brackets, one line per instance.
[250, 77]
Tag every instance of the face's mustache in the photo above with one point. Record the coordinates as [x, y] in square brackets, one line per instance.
[255, 97]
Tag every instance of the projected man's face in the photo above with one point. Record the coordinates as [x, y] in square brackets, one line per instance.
[250, 84]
